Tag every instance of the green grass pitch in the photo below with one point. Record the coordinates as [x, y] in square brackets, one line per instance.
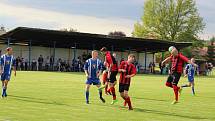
[55, 96]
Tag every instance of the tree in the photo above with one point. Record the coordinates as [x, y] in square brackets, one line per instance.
[173, 20]
[2, 30]
[211, 51]
[117, 33]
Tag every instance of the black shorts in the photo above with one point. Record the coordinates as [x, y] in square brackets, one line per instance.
[113, 76]
[174, 78]
[123, 87]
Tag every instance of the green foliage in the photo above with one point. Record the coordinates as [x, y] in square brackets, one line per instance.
[211, 51]
[173, 20]
[117, 33]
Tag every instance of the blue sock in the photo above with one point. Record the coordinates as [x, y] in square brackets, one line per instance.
[3, 91]
[193, 91]
[87, 96]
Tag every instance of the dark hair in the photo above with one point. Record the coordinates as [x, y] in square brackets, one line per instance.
[103, 49]
[8, 48]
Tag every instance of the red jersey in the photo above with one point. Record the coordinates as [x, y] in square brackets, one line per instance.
[178, 62]
[130, 69]
[111, 60]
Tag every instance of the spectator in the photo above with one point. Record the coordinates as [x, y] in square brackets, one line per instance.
[59, 61]
[22, 64]
[18, 63]
[52, 62]
[153, 67]
[34, 65]
[84, 57]
[26, 64]
[150, 67]
[47, 62]
[40, 62]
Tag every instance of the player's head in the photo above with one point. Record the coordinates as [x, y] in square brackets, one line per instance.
[103, 50]
[9, 50]
[131, 58]
[114, 55]
[173, 50]
[94, 54]
[192, 60]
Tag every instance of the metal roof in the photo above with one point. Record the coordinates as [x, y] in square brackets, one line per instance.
[63, 39]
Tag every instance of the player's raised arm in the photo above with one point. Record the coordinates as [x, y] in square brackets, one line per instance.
[165, 61]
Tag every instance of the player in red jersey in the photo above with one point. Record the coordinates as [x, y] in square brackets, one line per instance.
[112, 69]
[126, 70]
[177, 60]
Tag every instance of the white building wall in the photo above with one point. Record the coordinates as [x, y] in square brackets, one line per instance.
[67, 54]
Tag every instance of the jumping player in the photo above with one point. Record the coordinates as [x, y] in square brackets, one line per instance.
[7, 62]
[177, 60]
[126, 70]
[112, 71]
[93, 69]
[189, 71]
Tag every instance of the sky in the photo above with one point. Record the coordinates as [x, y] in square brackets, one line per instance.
[90, 16]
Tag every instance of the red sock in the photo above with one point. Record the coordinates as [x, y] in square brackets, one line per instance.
[175, 88]
[112, 89]
[125, 103]
[129, 102]
[169, 84]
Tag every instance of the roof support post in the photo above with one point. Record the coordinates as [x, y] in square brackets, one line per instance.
[8, 41]
[29, 56]
[162, 57]
[145, 59]
[94, 45]
[129, 50]
[121, 54]
[153, 57]
[74, 50]
[54, 46]
[112, 48]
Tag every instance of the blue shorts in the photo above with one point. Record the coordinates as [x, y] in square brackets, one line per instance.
[190, 79]
[5, 76]
[93, 81]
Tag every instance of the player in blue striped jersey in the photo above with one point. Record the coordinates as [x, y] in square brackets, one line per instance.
[93, 69]
[190, 73]
[6, 64]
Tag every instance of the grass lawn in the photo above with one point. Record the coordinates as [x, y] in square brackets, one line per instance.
[55, 96]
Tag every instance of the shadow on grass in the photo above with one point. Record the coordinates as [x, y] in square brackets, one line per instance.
[35, 100]
[168, 114]
[141, 98]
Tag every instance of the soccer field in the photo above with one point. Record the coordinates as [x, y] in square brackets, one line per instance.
[55, 96]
